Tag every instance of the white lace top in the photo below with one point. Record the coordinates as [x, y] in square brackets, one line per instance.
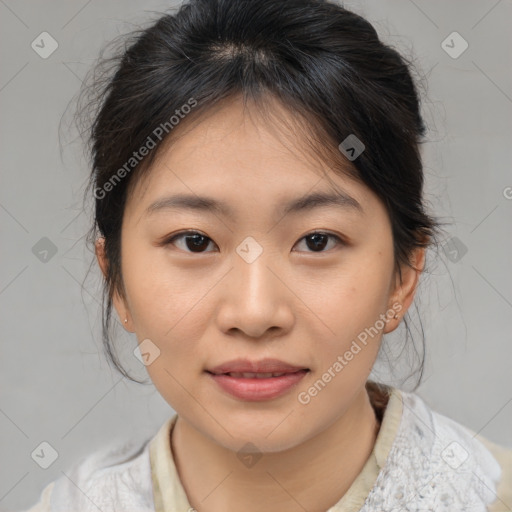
[421, 461]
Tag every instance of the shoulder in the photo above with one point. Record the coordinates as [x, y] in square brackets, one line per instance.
[503, 455]
[485, 466]
[441, 463]
[43, 505]
[114, 477]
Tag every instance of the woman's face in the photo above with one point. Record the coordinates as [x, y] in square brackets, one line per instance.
[255, 285]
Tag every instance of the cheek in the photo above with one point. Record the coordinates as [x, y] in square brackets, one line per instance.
[351, 298]
[167, 309]
[163, 299]
[349, 325]
[350, 313]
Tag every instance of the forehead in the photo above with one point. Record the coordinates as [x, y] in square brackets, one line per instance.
[234, 155]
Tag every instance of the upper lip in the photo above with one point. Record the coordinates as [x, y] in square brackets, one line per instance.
[261, 366]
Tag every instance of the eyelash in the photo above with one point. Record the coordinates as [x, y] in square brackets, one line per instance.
[182, 234]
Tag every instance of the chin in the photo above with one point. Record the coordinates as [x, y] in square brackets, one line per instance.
[267, 436]
[259, 443]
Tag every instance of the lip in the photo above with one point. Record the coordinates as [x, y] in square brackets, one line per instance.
[254, 388]
[258, 389]
[262, 366]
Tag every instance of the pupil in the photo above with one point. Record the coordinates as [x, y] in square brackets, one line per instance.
[315, 238]
[198, 241]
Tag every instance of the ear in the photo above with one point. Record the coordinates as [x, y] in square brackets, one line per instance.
[118, 302]
[402, 294]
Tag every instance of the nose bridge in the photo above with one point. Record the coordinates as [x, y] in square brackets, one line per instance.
[252, 273]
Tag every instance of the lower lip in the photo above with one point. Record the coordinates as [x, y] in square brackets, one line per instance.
[253, 389]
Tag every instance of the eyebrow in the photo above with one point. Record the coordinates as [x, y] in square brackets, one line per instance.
[210, 205]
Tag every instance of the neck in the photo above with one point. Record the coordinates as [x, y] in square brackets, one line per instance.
[279, 481]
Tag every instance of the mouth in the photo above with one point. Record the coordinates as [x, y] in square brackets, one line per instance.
[263, 368]
[257, 375]
[257, 386]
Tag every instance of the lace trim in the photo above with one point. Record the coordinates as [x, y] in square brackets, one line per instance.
[434, 464]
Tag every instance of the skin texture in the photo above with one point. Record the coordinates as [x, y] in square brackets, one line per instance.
[293, 302]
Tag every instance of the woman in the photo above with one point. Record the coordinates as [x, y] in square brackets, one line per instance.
[260, 226]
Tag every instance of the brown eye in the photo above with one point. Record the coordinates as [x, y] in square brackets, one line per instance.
[194, 241]
[317, 241]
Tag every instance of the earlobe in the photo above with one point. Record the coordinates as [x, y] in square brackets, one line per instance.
[122, 311]
[405, 290]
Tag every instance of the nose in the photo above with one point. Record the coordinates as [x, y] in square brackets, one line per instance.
[255, 298]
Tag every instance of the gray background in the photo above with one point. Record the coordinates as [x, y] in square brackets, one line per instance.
[55, 383]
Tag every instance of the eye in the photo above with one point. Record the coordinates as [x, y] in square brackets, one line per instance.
[317, 240]
[196, 242]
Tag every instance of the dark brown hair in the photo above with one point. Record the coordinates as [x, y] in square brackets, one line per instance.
[325, 64]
